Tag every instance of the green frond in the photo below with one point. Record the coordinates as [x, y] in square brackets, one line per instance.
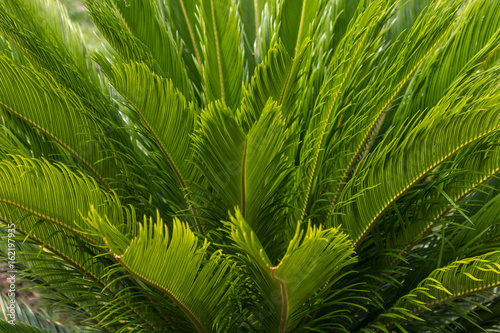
[138, 32]
[343, 12]
[486, 319]
[361, 121]
[313, 257]
[56, 195]
[59, 241]
[56, 51]
[57, 113]
[42, 32]
[329, 111]
[222, 52]
[57, 279]
[387, 175]
[214, 148]
[29, 321]
[39, 28]
[164, 112]
[10, 143]
[258, 171]
[197, 286]
[182, 19]
[258, 18]
[276, 77]
[457, 280]
[475, 165]
[471, 46]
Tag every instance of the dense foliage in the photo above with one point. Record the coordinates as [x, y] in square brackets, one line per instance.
[254, 166]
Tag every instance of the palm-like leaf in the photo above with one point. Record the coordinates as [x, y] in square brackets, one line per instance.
[298, 21]
[165, 114]
[150, 39]
[448, 117]
[311, 253]
[73, 132]
[459, 279]
[222, 53]
[30, 185]
[258, 168]
[276, 77]
[257, 19]
[199, 288]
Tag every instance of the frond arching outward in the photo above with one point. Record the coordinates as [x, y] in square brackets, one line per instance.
[28, 321]
[31, 97]
[56, 194]
[43, 31]
[359, 120]
[474, 165]
[449, 127]
[457, 280]
[199, 287]
[165, 114]
[55, 281]
[55, 239]
[472, 46]
[138, 32]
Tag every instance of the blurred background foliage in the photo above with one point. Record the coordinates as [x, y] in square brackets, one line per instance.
[78, 14]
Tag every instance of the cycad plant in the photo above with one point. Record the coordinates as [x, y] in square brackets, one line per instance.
[253, 166]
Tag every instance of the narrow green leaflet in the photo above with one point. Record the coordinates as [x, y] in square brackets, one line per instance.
[485, 229]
